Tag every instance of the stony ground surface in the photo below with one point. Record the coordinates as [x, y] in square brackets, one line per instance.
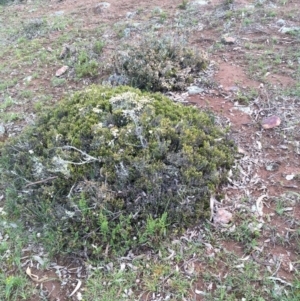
[254, 73]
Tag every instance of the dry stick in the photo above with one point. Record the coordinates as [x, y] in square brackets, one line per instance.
[90, 158]
[261, 261]
[41, 181]
[277, 269]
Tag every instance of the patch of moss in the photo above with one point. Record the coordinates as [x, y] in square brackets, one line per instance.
[115, 167]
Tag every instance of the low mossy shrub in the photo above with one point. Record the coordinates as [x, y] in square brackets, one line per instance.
[115, 168]
[161, 63]
[34, 28]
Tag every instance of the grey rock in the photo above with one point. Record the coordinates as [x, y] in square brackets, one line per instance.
[136, 25]
[27, 79]
[7, 225]
[158, 10]
[272, 166]
[59, 13]
[233, 89]
[104, 4]
[194, 90]
[199, 2]
[280, 22]
[101, 7]
[250, 7]
[130, 15]
[244, 109]
[285, 29]
[127, 32]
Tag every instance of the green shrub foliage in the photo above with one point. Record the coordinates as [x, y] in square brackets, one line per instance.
[115, 167]
[161, 64]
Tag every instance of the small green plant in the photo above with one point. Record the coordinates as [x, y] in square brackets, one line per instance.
[38, 106]
[154, 228]
[294, 32]
[12, 283]
[58, 23]
[139, 11]
[9, 116]
[183, 4]
[21, 40]
[86, 66]
[218, 46]
[279, 207]
[120, 29]
[272, 14]
[98, 47]
[7, 84]
[242, 98]
[229, 14]
[247, 22]
[293, 91]
[8, 102]
[162, 17]
[26, 94]
[58, 82]
[283, 2]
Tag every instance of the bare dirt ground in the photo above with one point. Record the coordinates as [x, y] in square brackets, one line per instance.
[254, 76]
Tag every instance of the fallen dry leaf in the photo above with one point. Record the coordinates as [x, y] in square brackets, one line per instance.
[76, 288]
[260, 205]
[34, 277]
[198, 292]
